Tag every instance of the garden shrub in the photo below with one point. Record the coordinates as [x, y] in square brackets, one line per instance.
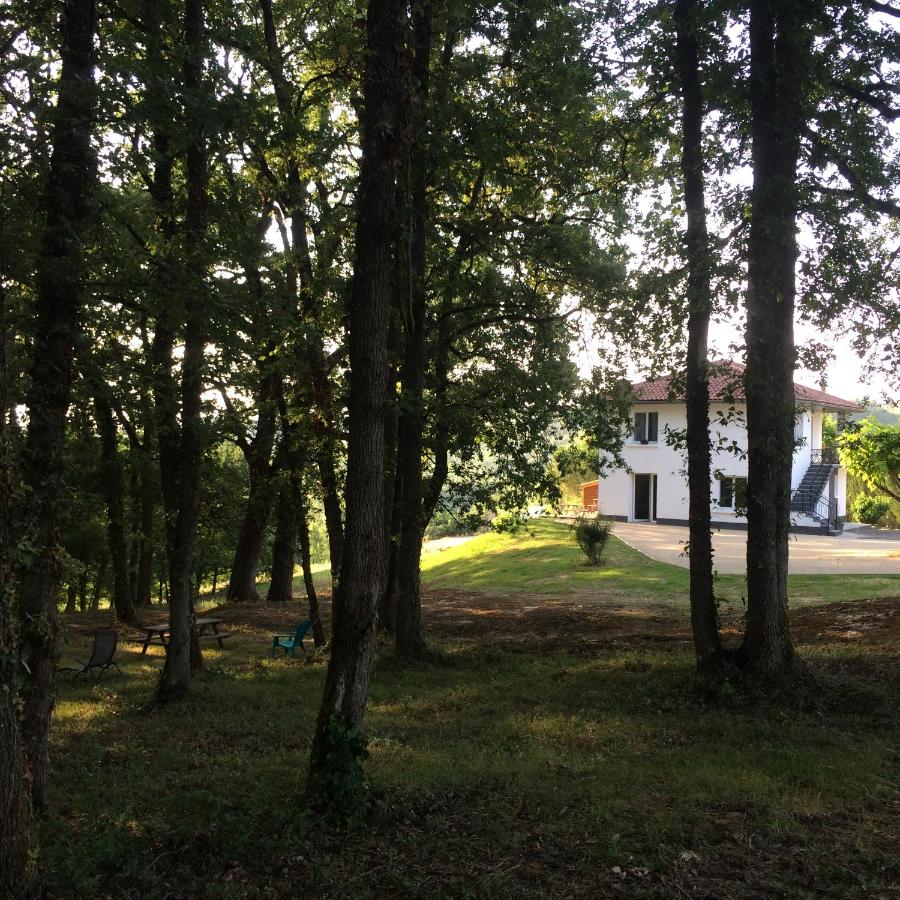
[870, 510]
[592, 534]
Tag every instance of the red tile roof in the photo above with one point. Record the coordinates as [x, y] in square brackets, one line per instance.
[729, 384]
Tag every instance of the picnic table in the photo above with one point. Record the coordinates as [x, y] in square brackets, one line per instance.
[161, 632]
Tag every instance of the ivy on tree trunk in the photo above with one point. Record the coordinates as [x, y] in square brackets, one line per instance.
[338, 744]
[58, 306]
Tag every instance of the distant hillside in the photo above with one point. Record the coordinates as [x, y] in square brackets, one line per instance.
[888, 415]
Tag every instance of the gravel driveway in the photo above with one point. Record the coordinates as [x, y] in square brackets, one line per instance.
[847, 554]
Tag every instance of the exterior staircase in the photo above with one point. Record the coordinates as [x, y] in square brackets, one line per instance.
[808, 499]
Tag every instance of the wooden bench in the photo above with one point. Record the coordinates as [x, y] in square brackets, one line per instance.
[154, 633]
[160, 633]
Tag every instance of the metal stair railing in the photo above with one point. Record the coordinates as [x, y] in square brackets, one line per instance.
[817, 507]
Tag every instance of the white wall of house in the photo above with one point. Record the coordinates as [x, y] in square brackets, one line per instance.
[804, 428]
[840, 491]
[818, 419]
[668, 464]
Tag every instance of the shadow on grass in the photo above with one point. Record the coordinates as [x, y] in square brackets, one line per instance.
[482, 756]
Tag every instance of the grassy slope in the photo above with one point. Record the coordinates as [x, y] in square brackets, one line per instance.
[503, 772]
[545, 560]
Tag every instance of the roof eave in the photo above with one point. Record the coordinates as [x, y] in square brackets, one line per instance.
[836, 407]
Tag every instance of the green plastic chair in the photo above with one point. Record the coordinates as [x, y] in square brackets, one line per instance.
[288, 643]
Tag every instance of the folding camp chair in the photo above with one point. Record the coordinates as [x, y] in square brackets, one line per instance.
[101, 656]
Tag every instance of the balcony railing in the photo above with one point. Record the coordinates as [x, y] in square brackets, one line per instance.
[827, 456]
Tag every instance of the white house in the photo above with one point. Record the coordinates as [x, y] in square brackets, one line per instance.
[654, 487]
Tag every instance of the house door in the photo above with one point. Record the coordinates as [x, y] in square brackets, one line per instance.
[644, 498]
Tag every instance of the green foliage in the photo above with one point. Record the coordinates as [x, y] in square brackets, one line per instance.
[225, 488]
[445, 523]
[337, 781]
[829, 431]
[871, 451]
[887, 415]
[508, 521]
[870, 510]
[579, 459]
[592, 534]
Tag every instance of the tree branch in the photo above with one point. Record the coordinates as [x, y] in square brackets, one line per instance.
[858, 189]
[886, 490]
[886, 8]
[879, 104]
[240, 430]
[127, 424]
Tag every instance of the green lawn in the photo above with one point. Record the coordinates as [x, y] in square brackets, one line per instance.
[497, 770]
[543, 559]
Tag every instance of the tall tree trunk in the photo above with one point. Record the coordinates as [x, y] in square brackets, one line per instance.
[320, 393]
[293, 524]
[58, 305]
[82, 590]
[704, 617]
[306, 565]
[113, 489]
[779, 45]
[387, 605]
[99, 578]
[319, 386]
[134, 536]
[71, 598]
[387, 602]
[148, 481]
[409, 554]
[258, 450]
[242, 583]
[410, 636]
[281, 587]
[183, 654]
[331, 505]
[336, 747]
[410, 546]
[18, 825]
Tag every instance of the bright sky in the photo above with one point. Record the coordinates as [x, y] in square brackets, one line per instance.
[843, 377]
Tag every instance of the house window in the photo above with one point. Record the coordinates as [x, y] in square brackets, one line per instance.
[732, 492]
[646, 427]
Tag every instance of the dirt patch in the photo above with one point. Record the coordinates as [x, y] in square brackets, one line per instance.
[565, 624]
[863, 621]
[468, 616]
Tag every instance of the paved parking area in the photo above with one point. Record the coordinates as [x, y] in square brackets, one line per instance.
[848, 554]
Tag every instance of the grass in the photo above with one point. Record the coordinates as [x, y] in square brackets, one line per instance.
[534, 768]
[543, 559]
